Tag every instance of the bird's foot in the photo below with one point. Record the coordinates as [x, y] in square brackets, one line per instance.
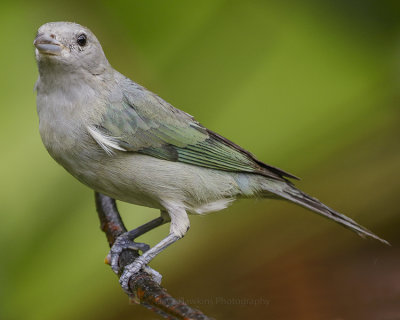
[133, 269]
[122, 243]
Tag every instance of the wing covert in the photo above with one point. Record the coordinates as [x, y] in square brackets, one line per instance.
[143, 122]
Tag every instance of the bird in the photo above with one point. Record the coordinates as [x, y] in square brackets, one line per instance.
[125, 142]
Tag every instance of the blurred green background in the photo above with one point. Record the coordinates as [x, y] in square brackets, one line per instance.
[309, 86]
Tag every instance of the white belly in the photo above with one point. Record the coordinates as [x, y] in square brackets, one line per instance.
[148, 181]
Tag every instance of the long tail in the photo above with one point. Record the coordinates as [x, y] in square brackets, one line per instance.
[289, 192]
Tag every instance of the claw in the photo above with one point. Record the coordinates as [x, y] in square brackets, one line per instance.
[129, 271]
[157, 277]
[132, 269]
[121, 243]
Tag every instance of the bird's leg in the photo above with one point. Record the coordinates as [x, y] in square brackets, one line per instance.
[111, 220]
[179, 226]
[144, 259]
[126, 241]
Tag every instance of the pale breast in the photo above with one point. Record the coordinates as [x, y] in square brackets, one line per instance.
[63, 118]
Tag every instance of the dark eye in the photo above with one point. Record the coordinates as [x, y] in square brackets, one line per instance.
[81, 40]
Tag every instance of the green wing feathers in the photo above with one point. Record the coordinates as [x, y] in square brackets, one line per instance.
[142, 122]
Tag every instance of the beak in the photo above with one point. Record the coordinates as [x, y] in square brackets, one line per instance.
[48, 45]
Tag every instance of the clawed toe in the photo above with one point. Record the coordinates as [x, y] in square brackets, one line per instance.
[129, 271]
[157, 277]
[132, 269]
[122, 243]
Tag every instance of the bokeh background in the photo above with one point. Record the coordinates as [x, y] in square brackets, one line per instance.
[309, 86]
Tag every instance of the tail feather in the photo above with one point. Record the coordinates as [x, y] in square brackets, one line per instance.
[289, 192]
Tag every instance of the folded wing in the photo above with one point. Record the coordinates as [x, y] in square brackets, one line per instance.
[144, 123]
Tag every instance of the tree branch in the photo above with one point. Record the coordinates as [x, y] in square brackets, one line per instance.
[144, 290]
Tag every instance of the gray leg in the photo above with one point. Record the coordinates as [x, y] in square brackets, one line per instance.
[179, 225]
[126, 241]
[144, 259]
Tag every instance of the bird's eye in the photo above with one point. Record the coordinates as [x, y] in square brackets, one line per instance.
[81, 40]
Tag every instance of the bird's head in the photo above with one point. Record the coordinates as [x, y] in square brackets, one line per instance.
[69, 47]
